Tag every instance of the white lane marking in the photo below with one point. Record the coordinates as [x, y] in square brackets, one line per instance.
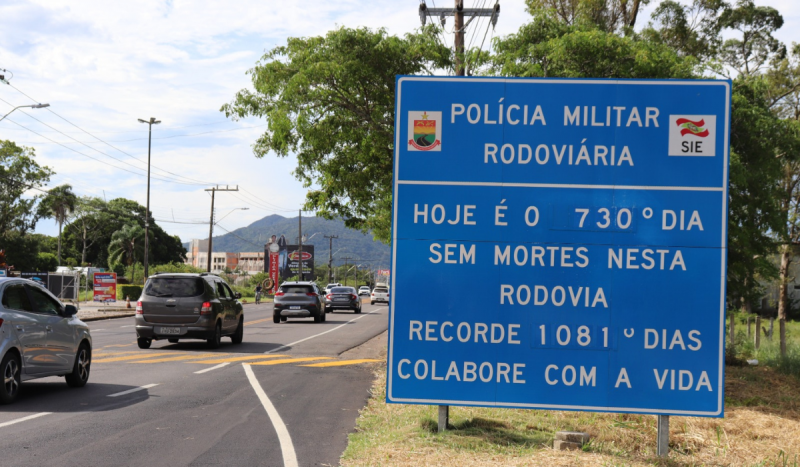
[129, 391]
[287, 448]
[95, 330]
[212, 368]
[317, 335]
[24, 419]
[128, 326]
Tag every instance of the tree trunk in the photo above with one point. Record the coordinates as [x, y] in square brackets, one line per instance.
[783, 300]
[59, 242]
[83, 254]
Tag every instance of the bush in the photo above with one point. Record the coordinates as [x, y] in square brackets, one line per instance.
[131, 291]
[46, 262]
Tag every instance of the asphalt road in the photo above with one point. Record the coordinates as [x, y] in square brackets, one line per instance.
[188, 405]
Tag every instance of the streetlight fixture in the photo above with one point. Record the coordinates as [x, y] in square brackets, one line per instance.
[232, 211]
[32, 106]
[150, 124]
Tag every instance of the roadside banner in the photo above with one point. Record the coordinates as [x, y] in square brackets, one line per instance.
[576, 234]
[105, 286]
[383, 272]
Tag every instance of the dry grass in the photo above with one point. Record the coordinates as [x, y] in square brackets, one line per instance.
[761, 428]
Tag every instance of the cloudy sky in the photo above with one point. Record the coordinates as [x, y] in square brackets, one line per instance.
[103, 64]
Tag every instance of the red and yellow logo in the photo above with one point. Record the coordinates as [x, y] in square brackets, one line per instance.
[690, 127]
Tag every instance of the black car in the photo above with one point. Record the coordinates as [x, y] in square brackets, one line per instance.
[298, 300]
[343, 298]
[188, 306]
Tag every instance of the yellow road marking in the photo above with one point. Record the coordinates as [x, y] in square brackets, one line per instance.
[177, 359]
[102, 354]
[289, 360]
[342, 363]
[238, 359]
[132, 357]
[118, 345]
[257, 321]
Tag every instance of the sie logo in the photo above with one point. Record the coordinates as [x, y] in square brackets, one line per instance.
[692, 135]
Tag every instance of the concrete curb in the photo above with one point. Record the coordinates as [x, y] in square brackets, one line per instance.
[100, 318]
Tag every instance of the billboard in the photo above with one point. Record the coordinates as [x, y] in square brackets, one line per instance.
[592, 212]
[284, 261]
[105, 287]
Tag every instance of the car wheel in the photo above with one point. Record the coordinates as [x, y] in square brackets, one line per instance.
[283, 318]
[214, 342]
[371, 302]
[80, 371]
[172, 341]
[238, 336]
[11, 369]
[358, 310]
[318, 317]
[143, 342]
[276, 319]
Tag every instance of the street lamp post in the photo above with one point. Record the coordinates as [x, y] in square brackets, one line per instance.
[32, 106]
[150, 124]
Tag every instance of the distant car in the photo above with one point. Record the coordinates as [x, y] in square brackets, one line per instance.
[39, 337]
[188, 306]
[363, 290]
[298, 300]
[329, 287]
[379, 294]
[343, 298]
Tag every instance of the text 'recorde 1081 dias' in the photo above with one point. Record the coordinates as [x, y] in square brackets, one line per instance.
[575, 233]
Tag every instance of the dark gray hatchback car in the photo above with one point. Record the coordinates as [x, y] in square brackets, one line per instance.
[188, 306]
[298, 300]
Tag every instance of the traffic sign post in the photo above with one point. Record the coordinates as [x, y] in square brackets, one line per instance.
[575, 233]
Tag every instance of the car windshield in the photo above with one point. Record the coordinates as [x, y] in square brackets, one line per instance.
[381, 290]
[296, 289]
[341, 290]
[174, 287]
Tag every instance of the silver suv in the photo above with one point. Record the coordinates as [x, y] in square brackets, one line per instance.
[39, 337]
[298, 300]
[188, 306]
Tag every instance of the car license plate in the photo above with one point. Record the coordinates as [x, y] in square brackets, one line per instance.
[294, 307]
[169, 330]
[341, 299]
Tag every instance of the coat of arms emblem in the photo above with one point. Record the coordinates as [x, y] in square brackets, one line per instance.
[424, 131]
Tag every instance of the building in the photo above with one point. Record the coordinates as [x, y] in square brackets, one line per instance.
[249, 262]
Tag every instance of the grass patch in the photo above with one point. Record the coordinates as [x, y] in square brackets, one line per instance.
[761, 428]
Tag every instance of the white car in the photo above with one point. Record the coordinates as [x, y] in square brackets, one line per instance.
[39, 337]
[379, 294]
[363, 290]
[331, 286]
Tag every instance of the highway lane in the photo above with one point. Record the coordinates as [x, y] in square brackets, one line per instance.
[182, 404]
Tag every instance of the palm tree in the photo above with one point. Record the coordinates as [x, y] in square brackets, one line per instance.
[59, 203]
[126, 243]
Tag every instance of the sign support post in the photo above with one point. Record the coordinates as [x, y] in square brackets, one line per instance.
[663, 436]
[444, 417]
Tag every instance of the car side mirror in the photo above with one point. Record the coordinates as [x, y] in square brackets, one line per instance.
[238, 295]
[70, 310]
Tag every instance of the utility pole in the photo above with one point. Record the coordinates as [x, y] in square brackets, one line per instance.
[458, 13]
[330, 256]
[300, 242]
[211, 222]
[346, 259]
[150, 124]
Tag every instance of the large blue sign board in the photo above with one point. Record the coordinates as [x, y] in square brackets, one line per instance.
[560, 244]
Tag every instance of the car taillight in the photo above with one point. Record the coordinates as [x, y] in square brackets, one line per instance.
[139, 310]
[329, 297]
[279, 294]
[311, 294]
[387, 295]
[206, 308]
[353, 297]
[373, 294]
[1, 322]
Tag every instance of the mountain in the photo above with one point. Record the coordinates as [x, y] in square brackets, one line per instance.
[351, 243]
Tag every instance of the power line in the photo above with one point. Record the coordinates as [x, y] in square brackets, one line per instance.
[199, 182]
[162, 137]
[96, 159]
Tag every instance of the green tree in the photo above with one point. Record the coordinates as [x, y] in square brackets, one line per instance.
[330, 100]
[19, 173]
[754, 46]
[127, 245]
[59, 203]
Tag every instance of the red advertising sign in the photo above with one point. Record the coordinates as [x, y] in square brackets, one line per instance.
[274, 271]
[383, 272]
[105, 287]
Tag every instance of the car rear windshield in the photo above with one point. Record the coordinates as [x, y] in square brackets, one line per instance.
[174, 287]
[377, 290]
[296, 289]
[341, 290]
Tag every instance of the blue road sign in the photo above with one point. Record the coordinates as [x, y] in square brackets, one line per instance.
[560, 244]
